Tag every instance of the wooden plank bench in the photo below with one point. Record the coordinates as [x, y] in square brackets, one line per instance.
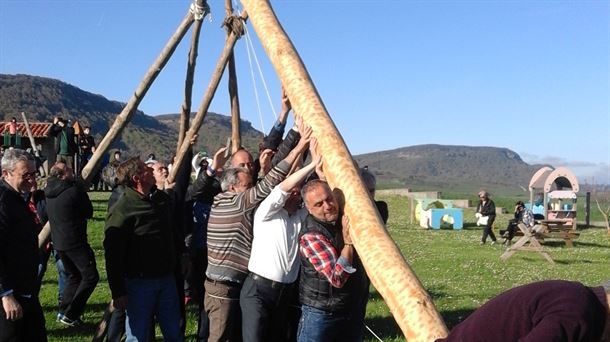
[527, 242]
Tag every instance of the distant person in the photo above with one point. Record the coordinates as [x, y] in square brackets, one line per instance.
[552, 310]
[21, 317]
[11, 127]
[86, 146]
[65, 142]
[521, 215]
[370, 181]
[109, 172]
[69, 208]
[486, 209]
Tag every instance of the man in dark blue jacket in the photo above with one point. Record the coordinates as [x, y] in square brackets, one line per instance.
[21, 317]
[68, 208]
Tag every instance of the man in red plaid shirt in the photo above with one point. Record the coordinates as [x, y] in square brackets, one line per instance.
[332, 278]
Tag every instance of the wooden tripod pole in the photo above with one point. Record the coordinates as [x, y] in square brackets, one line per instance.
[388, 270]
[123, 118]
[233, 94]
[185, 116]
[207, 100]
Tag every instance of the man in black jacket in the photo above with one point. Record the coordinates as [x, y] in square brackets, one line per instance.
[141, 254]
[68, 208]
[21, 317]
[487, 208]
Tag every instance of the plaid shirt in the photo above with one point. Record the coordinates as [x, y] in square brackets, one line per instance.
[528, 218]
[323, 256]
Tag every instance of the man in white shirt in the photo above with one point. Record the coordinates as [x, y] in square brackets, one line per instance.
[273, 264]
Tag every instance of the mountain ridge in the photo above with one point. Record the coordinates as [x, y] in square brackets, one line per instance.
[417, 167]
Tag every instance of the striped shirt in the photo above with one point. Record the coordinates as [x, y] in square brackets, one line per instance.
[230, 227]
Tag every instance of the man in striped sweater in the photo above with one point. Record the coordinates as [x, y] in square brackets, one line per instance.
[230, 240]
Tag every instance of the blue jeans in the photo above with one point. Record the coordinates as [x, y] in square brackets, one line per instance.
[324, 326]
[148, 297]
[61, 273]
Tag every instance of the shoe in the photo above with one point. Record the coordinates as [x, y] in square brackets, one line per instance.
[481, 243]
[493, 243]
[60, 316]
[70, 322]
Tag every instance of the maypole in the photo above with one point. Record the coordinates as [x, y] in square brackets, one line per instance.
[388, 270]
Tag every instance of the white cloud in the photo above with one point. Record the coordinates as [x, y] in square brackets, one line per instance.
[586, 172]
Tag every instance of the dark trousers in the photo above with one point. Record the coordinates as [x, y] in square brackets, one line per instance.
[264, 308]
[31, 327]
[116, 326]
[488, 230]
[199, 262]
[222, 307]
[511, 229]
[81, 278]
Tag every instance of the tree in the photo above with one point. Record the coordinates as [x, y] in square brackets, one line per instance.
[605, 209]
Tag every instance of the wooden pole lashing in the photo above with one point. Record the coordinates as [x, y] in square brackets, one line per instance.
[387, 268]
[206, 101]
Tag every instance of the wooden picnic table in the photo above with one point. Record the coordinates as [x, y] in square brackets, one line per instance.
[559, 229]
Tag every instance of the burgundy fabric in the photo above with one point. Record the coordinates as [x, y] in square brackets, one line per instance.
[553, 310]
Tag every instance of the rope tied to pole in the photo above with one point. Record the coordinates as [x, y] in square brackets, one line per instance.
[199, 11]
[234, 24]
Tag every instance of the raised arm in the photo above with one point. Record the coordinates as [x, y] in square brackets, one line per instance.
[297, 177]
[273, 140]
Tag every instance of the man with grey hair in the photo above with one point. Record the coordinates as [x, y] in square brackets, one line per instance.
[230, 241]
[21, 317]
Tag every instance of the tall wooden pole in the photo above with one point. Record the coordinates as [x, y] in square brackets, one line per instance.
[185, 115]
[388, 270]
[123, 118]
[207, 99]
[233, 94]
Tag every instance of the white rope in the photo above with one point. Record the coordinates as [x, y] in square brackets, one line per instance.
[260, 72]
[252, 52]
[258, 105]
[199, 12]
[371, 331]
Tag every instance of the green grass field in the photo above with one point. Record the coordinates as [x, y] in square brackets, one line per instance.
[459, 274]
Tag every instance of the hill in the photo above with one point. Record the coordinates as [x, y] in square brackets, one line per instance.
[459, 168]
[44, 98]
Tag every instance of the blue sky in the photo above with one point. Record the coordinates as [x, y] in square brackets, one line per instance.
[532, 76]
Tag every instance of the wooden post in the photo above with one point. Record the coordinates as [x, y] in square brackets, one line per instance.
[389, 272]
[587, 209]
[30, 135]
[185, 115]
[207, 100]
[132, 105]
[233, 94]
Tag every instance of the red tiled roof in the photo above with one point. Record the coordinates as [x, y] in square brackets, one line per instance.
[39, 129]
